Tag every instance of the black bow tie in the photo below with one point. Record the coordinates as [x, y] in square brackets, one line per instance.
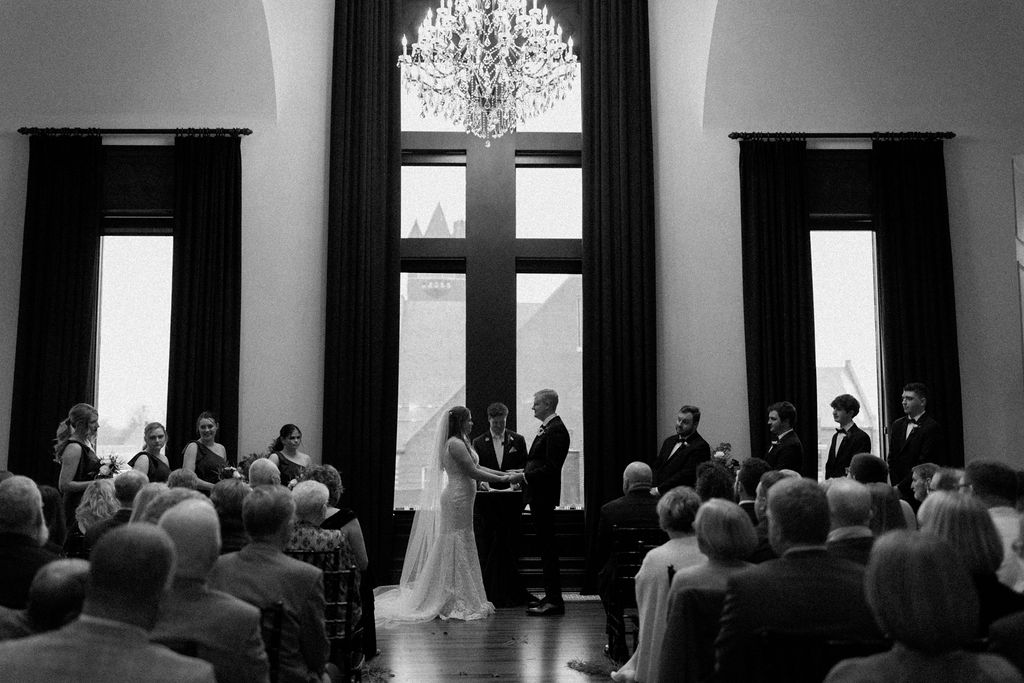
[840, 430]
[912, 421]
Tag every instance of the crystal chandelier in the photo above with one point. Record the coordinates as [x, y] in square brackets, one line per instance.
[488, 65]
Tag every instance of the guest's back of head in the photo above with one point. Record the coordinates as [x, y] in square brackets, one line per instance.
[749, 475]
[768, 480]
[53, 514]
[921, 593]
[264, 473]
[849, 503]
[964, 523]
[724, 531]
[677, 509]
[57, 593]
[21, 508]
[797, 514]
[946, 479]
[168, 499]
[714, 480]
[227, 497]
[128, 485]
[195, 530]
[636, 475]
[128, 573]
[994, 483]
[268, 513]
[329, 477]
[886, 511]
[98, 503]
[143, 498]
[310, 501]
[182, 478]
[868, 469]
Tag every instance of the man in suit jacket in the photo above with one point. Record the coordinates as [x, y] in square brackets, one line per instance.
[786, 451]
[109, 641]
[747, 479]
[501, 514]
[913, 439]
[23, 533]
[848, 440]
[226, 630]
[806, 592]
[544, 486]
[676, 464]
[262, 575]
[636, 508]
[849, 505]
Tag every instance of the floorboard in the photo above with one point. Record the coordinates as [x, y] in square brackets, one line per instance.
[509, 646]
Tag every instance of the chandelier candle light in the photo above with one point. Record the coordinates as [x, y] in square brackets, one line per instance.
[488, 65]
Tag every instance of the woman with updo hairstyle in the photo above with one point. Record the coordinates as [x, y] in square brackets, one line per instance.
[677, 510]
[284, 453]
[921, 596]
[150, 461]
[75, 452]
[205, 456]
[963, 522]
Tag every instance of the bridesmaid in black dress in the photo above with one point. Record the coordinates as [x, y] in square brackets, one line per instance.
[76, 454]
[284, 453]
[150, 461]
[205, 456]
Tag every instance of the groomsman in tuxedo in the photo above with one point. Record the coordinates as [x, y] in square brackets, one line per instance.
[786, 451]
[544, 486]
[501, 514]
[849, 439]
[913, 439]
[676, 464]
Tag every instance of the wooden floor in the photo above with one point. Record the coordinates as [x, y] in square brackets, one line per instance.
[509, 646]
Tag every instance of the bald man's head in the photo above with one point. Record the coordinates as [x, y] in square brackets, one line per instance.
[636, 475]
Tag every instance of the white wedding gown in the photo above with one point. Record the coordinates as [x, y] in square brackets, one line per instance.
[444, 580]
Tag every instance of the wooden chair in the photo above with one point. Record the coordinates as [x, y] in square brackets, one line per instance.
[629, 546]
[341, 599]
[271, 623]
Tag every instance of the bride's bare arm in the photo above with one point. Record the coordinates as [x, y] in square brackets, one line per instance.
[464, 461]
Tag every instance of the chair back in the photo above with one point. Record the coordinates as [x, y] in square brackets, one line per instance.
[629, 546]
[271, 623]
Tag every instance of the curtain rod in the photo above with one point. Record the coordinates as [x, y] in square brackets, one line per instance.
[135, 131]
[873, 136]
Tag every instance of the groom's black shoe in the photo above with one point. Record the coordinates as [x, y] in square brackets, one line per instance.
[533, 600]
[545, 609]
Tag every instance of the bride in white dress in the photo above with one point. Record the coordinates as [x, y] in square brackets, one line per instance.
[441, 574]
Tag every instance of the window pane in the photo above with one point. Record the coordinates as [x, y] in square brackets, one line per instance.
[433, 201]
[549, 203]
[845, 331]
[134, 340]
[431, 371]
[549, 355]
[565, 116]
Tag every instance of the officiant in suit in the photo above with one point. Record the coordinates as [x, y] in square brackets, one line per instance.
[676, 464]
[543, 490]
[499, 510]
[913, 439]
[849, 439]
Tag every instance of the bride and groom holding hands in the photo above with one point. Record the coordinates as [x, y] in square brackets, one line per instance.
[441, 575]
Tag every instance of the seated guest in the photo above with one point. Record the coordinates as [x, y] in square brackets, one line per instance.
[870, 469]
[146, 494]
[634, 509]
[994, 485]
[54, 598]
[921, 480]
[264, 473]
[963, 522]
[165, 500]
[763, 551]
[726, 537]
[98, 504]
[887, 509]
[183, 479]
[225, 630]
[849, 507]
[677, 510]
[1006, 635]
[126, 486]
[23, 533]
[227, 496]
[714, 480]
[921, 597]
[947, 479]
[262, 575]
[805, 593]
[109, 641]
[747, 479]
[56, 521]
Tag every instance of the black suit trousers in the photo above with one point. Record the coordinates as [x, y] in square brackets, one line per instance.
[544, 526]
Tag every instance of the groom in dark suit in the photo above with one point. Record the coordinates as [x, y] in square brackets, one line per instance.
[913, 439]
[544, 486]
[849, 439]
[676, 464]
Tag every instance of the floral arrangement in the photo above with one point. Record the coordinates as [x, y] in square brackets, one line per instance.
[722, 453]
[111, 466]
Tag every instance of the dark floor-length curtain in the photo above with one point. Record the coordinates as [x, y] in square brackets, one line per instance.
[361, 345]
[778, 309]
[915, 264]
[619, 363]
[206, 290]
[55, 358]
